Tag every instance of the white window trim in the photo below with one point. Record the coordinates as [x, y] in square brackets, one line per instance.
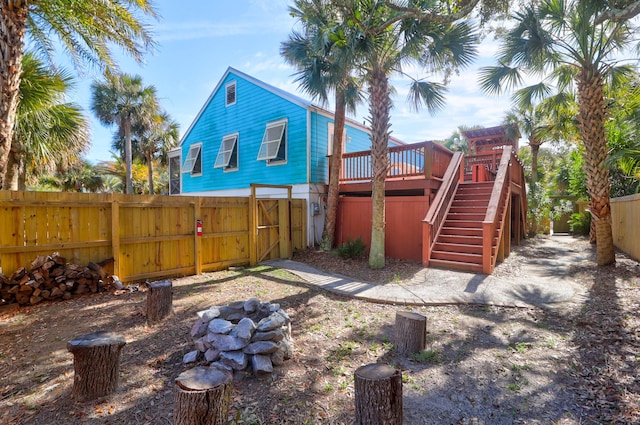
[171, 156]
[271, 159]
[190, 161]
[330, 127]
[225, 165]
[226, 93]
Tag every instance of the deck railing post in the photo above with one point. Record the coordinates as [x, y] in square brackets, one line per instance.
[487, 242]
[426, 243]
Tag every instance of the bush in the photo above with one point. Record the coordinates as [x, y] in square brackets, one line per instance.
[352, 249]
[580, 223]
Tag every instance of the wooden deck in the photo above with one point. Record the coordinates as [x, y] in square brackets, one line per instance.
[474, 205]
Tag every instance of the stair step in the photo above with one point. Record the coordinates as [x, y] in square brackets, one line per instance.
[470, 205]
[460, 239]
[459, 257]
[465, 216]
[455, 265]
[473, 224]
[475, 185]
[467, 207]
[457, 248]
[460, 231]
[475, 189]
[472, 196]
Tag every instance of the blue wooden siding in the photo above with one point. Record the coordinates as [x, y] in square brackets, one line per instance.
[357, 140]
[254, 108]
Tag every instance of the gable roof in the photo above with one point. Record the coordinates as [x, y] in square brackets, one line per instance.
[278, 92]
[268, 87]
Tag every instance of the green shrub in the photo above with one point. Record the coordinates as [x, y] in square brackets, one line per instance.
[580, 223]
[352, 249]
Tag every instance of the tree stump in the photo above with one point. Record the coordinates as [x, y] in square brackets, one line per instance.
[411, 332]
[159, 301]
[378, 394]
[96, 364]
[203, 396]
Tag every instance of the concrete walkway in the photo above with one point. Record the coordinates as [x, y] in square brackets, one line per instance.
[543, 282]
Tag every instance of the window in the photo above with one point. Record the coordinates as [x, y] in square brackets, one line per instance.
[274, 143]
[330, 139]
[193, 163]
[228, 153]
[230, 90]
[174, 175]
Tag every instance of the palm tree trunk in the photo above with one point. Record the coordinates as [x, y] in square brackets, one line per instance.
[379, 109]
[15, 169]
[13, 21]
[535, 148]
[150, 171]
[592, 119]
[128, 160]
[335, 165]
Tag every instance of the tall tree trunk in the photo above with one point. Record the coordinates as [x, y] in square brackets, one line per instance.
[128, 159]
[379, 110]
[335, 165]
[15, 168]
[592, 119]
[13, 21]
[535, 148]
[150, 171]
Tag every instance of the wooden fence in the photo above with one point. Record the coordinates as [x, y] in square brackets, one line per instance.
[625, 223]
[146, 236]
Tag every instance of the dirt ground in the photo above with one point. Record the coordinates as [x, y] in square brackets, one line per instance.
[482, 365]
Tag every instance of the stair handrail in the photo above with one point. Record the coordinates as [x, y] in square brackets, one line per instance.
[439, 207]
[499, 196]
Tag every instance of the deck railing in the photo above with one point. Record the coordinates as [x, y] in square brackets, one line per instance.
[496, 211]
[439, 208]
[488, 160]
[426, 159]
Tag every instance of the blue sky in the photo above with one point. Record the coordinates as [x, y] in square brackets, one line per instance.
[199, 39]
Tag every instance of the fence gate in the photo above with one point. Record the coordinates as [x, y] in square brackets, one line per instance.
[271, 227]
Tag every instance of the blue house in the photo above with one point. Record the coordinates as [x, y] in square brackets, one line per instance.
[251, 132]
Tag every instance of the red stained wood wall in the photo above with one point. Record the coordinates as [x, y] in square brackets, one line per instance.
[403, 231]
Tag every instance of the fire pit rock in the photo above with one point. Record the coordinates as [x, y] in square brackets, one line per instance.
[243, 335]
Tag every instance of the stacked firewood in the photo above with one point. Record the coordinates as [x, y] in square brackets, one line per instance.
[50, 277]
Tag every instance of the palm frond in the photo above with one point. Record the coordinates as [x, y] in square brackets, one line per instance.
[495, 80]
[427, 94]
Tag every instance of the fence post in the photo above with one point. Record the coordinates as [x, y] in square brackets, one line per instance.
[197, 243]
[253, 228]
[115, 234]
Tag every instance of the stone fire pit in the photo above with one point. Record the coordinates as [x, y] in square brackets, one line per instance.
[244, 335]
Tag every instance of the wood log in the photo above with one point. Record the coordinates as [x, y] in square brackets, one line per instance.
[378, 395]
[203, 395]
[410, 332]
[159, 301]
[96, 364]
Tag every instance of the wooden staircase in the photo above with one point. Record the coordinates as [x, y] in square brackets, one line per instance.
[459, 244]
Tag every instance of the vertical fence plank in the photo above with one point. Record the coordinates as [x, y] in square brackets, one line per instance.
[253, 228]
[197, 246]
[115, 233]
[284, 229]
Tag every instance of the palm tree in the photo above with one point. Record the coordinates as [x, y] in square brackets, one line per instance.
[50, 133]
[532, 122]
[157, 134]
[82, 177]
[114, 175]
[324, 63]
[571, 40]
[389, 37]
[87, 31]
[123, 99]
